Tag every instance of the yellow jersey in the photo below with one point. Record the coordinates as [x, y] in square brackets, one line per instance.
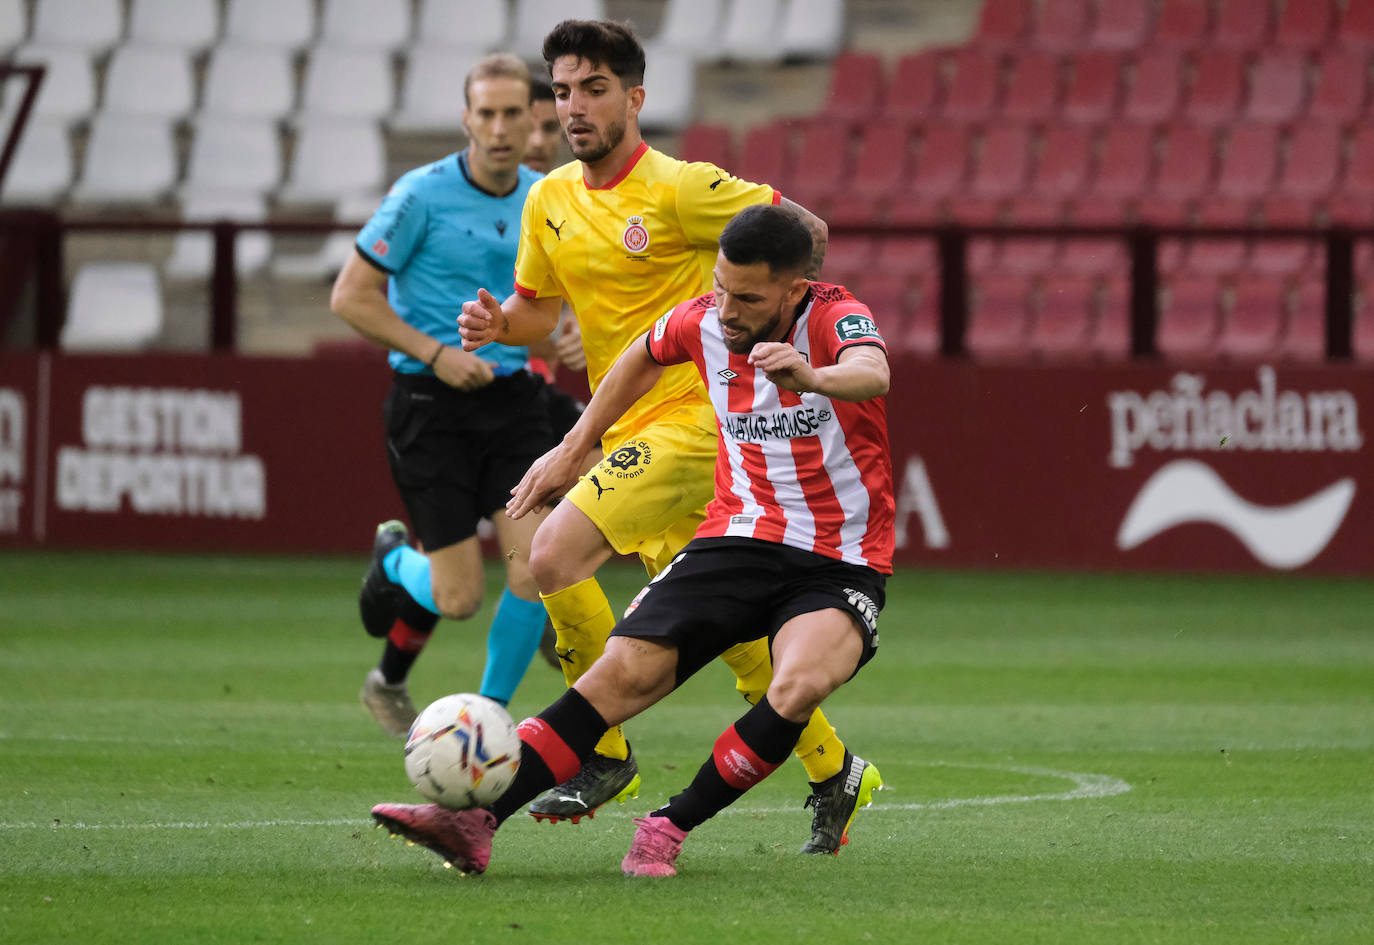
[624, 254]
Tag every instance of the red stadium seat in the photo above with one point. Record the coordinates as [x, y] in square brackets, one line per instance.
[1243, 25]
[1031, 255]
[1187, 163]
[916, 90]
[1183, 24]
[1313, 165]
[1357, 26]
[1096, 255]
[1251, 160]
[856, 87]
[1125, 165]
[1065, 160]
[1111, 333]
[847, 258]
[702, 142]
[1304, 335]
[1062, 25]
[1032, 87]
[1362, 341]
[973, 86]
[1156, 87]
[999, 318]
[1189, 316]
[1284, 256]
[766, 155]
[1219, 255]
[1217, 89]
[1251, 329]
[1003, 23]
[1003, 162]
[912, 256]
[887, 296]
[941, 162]
[1305, 24]
[1278, 87]
[1064, 324]
[823, 165]
[1120, 24]
[1356, 190]
[880, 169]
[1094, 87]
[1342, 86]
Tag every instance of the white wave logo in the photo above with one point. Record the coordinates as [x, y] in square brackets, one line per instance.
[1284, 537]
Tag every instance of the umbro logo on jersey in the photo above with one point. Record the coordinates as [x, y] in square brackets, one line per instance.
[728, 374]
[557, 230]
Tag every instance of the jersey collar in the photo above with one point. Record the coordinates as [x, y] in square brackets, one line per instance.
[624, 171]
[463, 167]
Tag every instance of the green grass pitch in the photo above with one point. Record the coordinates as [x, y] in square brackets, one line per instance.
[1072, 758]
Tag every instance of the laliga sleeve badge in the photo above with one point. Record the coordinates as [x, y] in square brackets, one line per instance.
[635, 237]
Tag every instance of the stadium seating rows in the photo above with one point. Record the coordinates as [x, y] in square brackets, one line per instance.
[1229, 113]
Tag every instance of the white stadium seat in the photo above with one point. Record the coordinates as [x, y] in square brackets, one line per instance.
[431, 93]
[68, 90]
[348, 83]
[326, 262]
[691, 26]
[750, 31]
[154, 81]
[129, 159]
[14, 24]
[113, 306]
[669, 85]
[193, 250]
[41, 170]
[288, 24]
[249, 82]
[334, 159]
[367, 24]
[534, 19]
[185, 24]
[812, 29]
[463, 24]
[92, 25]
[235, 154]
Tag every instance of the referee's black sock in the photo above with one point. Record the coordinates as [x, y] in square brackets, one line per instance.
[407, 638]
[744, 754]
[553, 746]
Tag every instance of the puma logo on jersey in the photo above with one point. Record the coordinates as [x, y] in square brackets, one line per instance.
[557, 230]
[720, 179]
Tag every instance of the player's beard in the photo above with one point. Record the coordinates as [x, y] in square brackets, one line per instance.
[746, 343]
[604, 145]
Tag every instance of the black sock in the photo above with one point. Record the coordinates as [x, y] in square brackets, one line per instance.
[745, 754]
[553, 746]
[408, 636]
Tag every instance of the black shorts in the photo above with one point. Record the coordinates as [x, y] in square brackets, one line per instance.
[455, 455]
[564, 409]
[722, 591]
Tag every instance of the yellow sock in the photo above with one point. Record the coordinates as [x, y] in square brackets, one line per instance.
[582, 619]
[819, 748]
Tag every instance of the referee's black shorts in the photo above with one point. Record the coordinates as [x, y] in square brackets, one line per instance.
[722, 591]
[455, 455]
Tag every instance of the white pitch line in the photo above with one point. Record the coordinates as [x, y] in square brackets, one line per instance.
[1086, 786]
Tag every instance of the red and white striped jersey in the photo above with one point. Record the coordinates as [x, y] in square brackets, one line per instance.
[797, 469]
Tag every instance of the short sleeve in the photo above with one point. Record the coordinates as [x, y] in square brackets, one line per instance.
[397, 229]
[533, 270]
[708, 197]
[845, 324]
[665, 339]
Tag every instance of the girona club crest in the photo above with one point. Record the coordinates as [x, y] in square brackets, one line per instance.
[635, 237]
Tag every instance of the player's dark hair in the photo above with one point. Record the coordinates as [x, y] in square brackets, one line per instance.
[602, 42]
[540, 90]
[764, 233]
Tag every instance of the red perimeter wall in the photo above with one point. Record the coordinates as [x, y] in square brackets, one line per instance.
[1126, 467]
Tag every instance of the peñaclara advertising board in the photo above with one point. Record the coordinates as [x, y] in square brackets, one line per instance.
[1264, 467]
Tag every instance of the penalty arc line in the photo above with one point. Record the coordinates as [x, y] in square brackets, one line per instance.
[1086, 786]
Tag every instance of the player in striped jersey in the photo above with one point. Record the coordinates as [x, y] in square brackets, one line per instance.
[622, 234]
[795, 548]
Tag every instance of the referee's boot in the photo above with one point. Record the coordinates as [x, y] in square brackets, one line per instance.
[601, 780]
[836, 800]
[379, 600]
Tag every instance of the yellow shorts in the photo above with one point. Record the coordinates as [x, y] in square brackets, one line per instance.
[649, 494]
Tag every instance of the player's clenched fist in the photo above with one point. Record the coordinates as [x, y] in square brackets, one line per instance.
[482, 321]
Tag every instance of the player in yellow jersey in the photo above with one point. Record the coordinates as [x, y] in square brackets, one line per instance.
[623, 234]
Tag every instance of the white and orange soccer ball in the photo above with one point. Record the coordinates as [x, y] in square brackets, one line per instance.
[462, 751]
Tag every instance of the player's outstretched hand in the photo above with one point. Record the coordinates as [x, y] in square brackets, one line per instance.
[462, 370]
[552, 475]
[481, 321]
[784, 366]
[569, 348]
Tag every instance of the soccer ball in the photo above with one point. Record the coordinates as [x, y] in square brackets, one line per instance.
[462, 751]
